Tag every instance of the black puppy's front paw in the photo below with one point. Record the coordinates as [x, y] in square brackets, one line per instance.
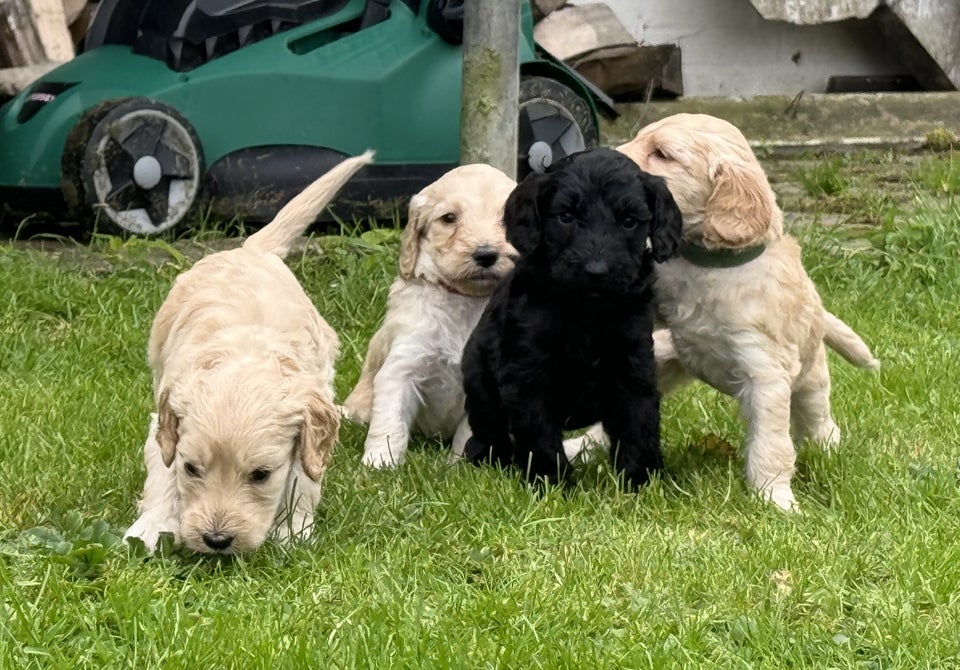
[635, 476]
[480, 453]
[547, 471]
[476, 451]
[565, 482]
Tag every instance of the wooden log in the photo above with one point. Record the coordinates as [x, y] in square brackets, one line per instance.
[541, 8]
[19, 43]
[578, 29]
[81, 24]
[633, 72]
[593, 41]
[72, 9]
[15, 79]
[33, 32]
[50, 22]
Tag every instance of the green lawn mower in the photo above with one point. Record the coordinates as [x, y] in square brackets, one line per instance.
[236, 105]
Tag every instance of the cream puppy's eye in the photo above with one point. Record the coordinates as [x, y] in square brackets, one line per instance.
[449, 217]
[192, 470]
[260, 475]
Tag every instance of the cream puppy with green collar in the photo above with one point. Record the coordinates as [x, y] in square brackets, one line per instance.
[742, 313]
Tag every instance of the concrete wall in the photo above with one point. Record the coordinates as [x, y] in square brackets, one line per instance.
[730, 50]
[934, 25]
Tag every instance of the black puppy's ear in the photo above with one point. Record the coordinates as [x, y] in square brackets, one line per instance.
[521, 214]
[666, 229]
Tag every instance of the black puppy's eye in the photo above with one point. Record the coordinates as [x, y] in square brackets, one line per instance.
[449, 217]
[629, 222]
[192, 470]
[566, 218]
[260, 475]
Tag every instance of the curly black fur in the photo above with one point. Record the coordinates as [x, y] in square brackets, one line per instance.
[566, 339]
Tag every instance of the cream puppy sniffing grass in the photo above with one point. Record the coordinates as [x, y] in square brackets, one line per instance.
[243, 368]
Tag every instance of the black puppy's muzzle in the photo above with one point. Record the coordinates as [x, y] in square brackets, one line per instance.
[596, 269]
[485, 256]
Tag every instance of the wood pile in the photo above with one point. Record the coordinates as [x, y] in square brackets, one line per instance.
[591, 39]
[38, 35]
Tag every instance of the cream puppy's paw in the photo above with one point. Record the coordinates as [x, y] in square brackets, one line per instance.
[827, 435]
[285, 531]
[350, 414]
[781, 496]
[381, 456]
[148, 529]
[460, 437]
[584, 447]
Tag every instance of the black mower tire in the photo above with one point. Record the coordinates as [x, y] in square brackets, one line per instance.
[141, 168]
[566, 103]
[71, 162]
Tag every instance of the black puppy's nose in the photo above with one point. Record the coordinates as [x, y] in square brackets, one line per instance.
[485, 256]
[596, 269]
[218, 541]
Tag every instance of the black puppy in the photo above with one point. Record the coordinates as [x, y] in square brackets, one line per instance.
[566, 339]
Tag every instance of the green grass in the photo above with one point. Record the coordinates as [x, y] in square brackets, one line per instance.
[940, 175]
[437, 566]
[826, 177]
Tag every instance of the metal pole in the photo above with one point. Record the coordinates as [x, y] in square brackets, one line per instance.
[491, 81]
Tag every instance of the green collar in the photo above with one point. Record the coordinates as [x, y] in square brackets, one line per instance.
[719, 258]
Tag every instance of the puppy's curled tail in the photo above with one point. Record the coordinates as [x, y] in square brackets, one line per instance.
[290, 222]
[841, 338]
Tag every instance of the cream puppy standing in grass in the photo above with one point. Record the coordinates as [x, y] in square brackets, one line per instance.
[453, 252]
[243, 368]
[743, 315]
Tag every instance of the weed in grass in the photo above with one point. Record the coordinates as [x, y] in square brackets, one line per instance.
[941, 139]
[939, 176]
[81, 546]
[918, 246]
[824, 178]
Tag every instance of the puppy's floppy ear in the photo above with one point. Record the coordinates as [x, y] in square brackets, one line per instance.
[321, 427]
[666, 228]
[521, 213]
[410, 239]
[167, 428]
[739, 211]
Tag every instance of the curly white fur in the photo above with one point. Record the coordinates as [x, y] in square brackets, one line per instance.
[411, 375]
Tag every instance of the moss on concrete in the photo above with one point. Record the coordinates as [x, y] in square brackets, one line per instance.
[941, 139]
[818, 122]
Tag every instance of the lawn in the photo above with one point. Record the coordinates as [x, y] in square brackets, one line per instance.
[439, 566]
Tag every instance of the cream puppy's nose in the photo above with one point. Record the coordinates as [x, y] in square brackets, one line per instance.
[485, 256]
[217, 541]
